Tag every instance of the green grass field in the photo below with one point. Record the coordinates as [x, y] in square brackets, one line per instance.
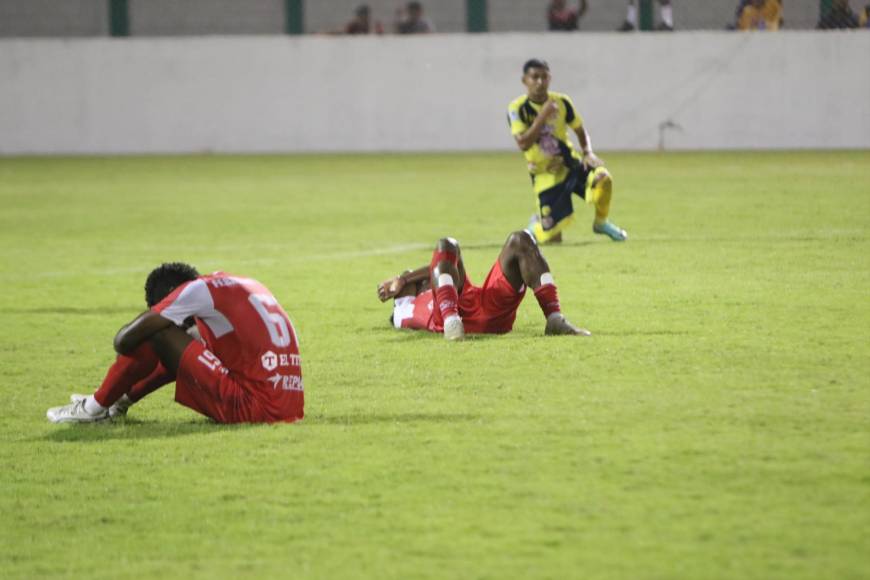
[717, 424]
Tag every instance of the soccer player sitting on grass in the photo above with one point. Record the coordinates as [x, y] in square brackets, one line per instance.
[246, 369]
[440, 297]
[539, 122]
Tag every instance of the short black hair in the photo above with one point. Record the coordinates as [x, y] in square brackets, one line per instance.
[535, 63]
[165, 278]
[362, 10]
[415, 6]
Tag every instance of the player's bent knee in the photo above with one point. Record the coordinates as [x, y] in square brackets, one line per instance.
[602, 176]
[522, 241]
[447, 245]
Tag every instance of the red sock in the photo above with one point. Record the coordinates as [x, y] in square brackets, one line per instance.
[448, 301]
[548, 298]
[126, 372]
[159, 376]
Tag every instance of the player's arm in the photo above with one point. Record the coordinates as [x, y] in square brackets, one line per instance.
[139, 330]
[590, 159]
[392, 287]
[530, 136]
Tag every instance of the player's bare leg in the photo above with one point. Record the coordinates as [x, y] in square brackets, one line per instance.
[522, 263]
[170, 344]
[448, 279]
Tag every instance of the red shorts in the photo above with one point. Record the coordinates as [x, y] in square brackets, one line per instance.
[490, 309]
[205, 385]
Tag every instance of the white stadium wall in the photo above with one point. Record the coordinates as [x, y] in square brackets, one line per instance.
[429, 93]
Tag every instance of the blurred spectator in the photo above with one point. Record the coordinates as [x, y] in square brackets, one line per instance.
[864, 19]
[361, 23]
[840, 15]
[666, 17]
[410, 20]
[560, 17]
[760, 15]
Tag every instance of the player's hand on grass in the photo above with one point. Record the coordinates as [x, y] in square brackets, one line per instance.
[390, 288]
[592, 161]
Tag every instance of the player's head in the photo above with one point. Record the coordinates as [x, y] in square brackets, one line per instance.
[165, 278]
[536, 78]
[362, 12]
[415, 10]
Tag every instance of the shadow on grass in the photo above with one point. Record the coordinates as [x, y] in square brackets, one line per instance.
[420, 335]
[133, 429]
[377, 419]
[642, 333]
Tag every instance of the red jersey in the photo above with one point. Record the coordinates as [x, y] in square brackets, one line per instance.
[491, 308]
[251, 335]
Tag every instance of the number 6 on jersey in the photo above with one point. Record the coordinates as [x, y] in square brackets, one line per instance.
[274, 319]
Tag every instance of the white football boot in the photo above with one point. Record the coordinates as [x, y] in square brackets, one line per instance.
[117, 410]
[75, 413]
[453, 328]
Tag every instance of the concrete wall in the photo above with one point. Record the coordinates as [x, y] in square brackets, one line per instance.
[191, 17]
[250, 94]
[54, 18]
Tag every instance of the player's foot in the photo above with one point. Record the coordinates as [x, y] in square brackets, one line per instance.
[558, 324]
[117, 410]
[75, 413]
[662, 27]
[454, 329]
[614, 232]
[626, 27]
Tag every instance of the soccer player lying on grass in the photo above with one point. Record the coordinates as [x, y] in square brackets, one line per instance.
[246, 369]
[539, 122]
[440, 297]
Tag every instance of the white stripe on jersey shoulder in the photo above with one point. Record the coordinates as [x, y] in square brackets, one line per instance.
[193, 300]
[196, 300]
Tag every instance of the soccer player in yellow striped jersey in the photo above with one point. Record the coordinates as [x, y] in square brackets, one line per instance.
[539, 121]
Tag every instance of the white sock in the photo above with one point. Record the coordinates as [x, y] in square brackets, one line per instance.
[667, 15]
[445, 280]
[546, 278]
[93, 407]
[631, 15]
[451, 318]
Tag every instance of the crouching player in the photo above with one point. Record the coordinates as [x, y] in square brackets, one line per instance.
[440, 297]
[539, 122]
[246, 369]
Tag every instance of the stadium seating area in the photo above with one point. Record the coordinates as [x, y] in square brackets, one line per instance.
[74, 18]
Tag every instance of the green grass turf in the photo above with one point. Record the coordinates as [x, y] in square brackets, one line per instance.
[715, 426]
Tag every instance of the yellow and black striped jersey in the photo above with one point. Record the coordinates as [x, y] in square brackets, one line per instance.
[553, 146]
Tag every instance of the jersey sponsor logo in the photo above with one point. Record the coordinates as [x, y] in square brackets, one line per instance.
[289, 360]
[548, 142]
[286, 382]
[514, 115]
[269, 360]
